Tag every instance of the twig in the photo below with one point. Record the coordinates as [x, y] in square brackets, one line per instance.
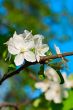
[16, 106]
[57, 56]
[7, 104]
[42, 61]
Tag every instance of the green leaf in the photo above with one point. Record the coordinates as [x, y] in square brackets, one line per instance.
[11, 67]
[48, 53]
[5, 54]
[41, 72]
[68, 103]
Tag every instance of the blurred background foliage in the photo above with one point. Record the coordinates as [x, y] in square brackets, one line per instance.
[38, 16]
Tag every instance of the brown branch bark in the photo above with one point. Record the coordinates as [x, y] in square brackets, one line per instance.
[57, 56]
[7, 104]
[16, 106]
[42, 61]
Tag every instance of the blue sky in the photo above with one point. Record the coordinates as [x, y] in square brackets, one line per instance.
[63, 27]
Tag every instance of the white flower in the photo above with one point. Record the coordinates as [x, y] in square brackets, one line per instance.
[56, 93]
[19, 47]
[52, 74]
[40, 48]
[26, 47]
[53, 91]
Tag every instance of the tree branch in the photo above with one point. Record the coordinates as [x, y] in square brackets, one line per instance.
[42, 61]
[57, 56]
[16, 106]
[7, 104]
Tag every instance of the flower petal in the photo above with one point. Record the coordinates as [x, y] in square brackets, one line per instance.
[27, 35]
[38, 36]
[37, 57]
[12, 50]
[29, 56]
[42, 85]
[45, 48]
[18, 40]
[19, 59]
[38, 39]
[11, 47]
[28, 45]
[49, 95]
[57, 49]
[57, 99]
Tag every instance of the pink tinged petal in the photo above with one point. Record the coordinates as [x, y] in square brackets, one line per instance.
[64, 76]
[19, 59]
[29, 56]
[37, 55]
[37, 58]
[57, 49]
[12, 50]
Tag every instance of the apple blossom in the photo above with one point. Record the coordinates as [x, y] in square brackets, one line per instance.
[56, 92]
[17, 46]
[22, 45]
[53, 91]
[40, 48]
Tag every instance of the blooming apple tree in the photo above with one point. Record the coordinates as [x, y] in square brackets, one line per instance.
[27, 49]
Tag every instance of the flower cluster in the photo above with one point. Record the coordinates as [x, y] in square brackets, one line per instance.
[27, 47]
[51, 87]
